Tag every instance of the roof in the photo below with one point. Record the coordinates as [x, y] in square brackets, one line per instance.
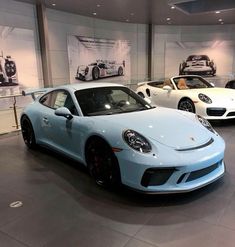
[87, 85]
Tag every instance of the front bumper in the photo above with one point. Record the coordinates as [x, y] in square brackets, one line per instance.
[215, 112]
[183, 171]
[198, 71]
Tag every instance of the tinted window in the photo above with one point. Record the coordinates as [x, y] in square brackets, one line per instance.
[194, 82]
[197, 58]
[109, 100]
[59, 98]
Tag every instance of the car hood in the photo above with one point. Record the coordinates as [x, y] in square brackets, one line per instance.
[169, 127]
[217, 94]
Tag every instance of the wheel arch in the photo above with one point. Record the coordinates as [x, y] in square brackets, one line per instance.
[101, 138]
[186, 98]
[89, 139]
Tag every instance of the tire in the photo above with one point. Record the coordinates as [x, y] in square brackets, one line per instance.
[141, 94]
[102, 163]
[2, 79]
[120, 71]
[180, 69]
[28, 133]
[186, 105]
[95, 73]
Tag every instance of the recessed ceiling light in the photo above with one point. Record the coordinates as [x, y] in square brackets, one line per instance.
[98, 5]
[220, 20]
[217, 12]
[172, 7]
[53, 4]
[94, 13]
[168, 18]
[132, 14]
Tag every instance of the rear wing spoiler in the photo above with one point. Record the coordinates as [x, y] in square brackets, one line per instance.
[35, 92]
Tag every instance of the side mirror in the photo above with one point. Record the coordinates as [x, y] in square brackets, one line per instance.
[147, 100]
[168, 88]
[64, 112]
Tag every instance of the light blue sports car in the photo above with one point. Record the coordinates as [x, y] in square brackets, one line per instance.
[123, 139]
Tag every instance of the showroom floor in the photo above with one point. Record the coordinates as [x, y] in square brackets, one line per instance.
[63, 207]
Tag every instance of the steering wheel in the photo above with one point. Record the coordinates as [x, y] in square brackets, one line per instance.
[120, 103]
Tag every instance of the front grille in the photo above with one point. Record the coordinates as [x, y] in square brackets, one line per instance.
[218, 112]
[231, 114]
[203, 172]
[156, 176]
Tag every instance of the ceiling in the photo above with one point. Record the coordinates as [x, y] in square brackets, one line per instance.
[161, 12]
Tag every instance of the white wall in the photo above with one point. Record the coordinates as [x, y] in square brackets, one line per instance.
[61, 25]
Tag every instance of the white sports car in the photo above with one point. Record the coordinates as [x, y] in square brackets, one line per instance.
[99, 69]
[191, 93]
[197, 65]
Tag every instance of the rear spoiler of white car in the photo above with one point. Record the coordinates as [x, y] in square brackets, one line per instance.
[33, 92]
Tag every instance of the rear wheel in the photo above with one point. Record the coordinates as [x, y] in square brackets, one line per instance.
[102, 163]
[186, 105]
[28, 133]
[95, 73]
[120, 71]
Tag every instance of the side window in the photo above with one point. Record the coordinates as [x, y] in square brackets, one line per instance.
[46, 100]
[64, 99]
[59, 98]
[70, 105]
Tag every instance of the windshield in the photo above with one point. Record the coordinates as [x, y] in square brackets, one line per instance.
[197, 58]
[109, 101]
[191, 83]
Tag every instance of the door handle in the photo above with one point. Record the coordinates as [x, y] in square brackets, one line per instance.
[45, 120]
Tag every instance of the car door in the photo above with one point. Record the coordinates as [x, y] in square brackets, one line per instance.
[62, 134]
[163, 97]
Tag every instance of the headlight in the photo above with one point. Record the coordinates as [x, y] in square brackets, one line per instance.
[206, 124]
[204, 98]
[137, 141]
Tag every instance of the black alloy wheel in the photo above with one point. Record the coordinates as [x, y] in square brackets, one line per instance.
[28, 133]
[102, 163]
[95, 73]
[120, 71]
[186, 105]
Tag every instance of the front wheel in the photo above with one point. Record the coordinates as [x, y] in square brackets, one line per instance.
[102, 163]
[186, 105]
[28, 133]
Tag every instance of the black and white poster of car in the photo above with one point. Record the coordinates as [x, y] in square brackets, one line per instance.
[18, 60]
[92, 59]
[100, 69]
[8, 71]
[197, 65]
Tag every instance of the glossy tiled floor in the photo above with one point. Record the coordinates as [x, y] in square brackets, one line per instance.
[62, 207]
